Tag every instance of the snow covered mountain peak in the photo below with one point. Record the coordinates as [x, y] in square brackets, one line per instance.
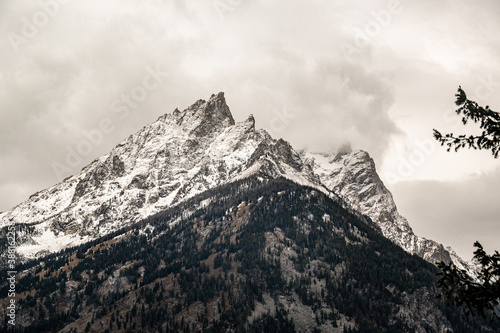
[353, 176]
[185, 153]
[180, 155]
[203, 117]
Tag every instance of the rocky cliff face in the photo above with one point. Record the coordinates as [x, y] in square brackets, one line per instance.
[185, 153]
[353, 176]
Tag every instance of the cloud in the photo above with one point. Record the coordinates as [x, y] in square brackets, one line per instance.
[454, 213]
[68, 65]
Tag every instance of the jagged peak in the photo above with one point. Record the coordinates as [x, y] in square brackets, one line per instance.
[283, 142]
[250, 121]
[361, 155]
[217, 107]
[351, 156]
[219, 96]
[216, 104]
[202, 117]
[196, 105]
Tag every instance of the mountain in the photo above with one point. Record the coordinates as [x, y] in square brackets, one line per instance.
[199, 223]
[353, 176]
[185, 153]
[176, 157]
[260, 254]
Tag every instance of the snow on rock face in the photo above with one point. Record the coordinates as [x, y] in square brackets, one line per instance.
[188, 152]
[352, 176]
[176, 157]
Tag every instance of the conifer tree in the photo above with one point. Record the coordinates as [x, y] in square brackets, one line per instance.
[489, 123]
[480, 294]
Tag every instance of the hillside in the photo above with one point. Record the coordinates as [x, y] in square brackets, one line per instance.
[257, 255]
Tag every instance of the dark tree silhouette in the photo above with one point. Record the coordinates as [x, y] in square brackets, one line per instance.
[489, 122]
[481, 293]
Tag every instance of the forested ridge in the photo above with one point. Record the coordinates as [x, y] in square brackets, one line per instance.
[257, 255]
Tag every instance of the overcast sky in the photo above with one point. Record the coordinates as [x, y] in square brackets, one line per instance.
[378, 74]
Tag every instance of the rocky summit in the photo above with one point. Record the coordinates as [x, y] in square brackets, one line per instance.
[180, 155]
